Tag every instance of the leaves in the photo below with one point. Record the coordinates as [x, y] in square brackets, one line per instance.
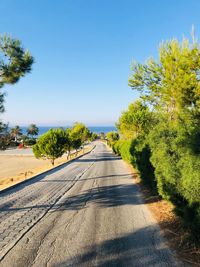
[15, 62]
[134, 121]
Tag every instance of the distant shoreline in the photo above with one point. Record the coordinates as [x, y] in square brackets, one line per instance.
[95, 129]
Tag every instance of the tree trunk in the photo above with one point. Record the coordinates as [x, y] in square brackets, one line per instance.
[68, 154]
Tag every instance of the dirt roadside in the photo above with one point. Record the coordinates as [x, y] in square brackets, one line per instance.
[15, 169]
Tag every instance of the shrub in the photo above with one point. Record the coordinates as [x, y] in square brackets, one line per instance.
[29, 141]
[141, 154]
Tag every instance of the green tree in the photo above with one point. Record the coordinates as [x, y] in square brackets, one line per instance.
[134, 121]
[171, 87]
[93, 137]
[32, 130]
[51, 145]
[76, 144]
[69, 143]
[4, 136]
[171, 84]
[15, 63]
[80, 131]
[16, 132]
[112, 137]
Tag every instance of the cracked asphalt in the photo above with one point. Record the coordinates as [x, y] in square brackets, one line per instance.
[86, 213]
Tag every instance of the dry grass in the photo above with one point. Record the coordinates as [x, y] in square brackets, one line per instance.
[15, 169]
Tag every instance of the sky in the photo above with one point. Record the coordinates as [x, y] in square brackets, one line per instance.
[83, 51]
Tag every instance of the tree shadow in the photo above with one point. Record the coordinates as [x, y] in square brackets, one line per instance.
[103, 197]
[144, 247]
[103, 158]
[37, 178]
[89, 178]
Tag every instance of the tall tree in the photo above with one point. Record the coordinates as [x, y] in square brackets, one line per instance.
[15, 62]
[134, 121]
[4, 136]
[16, 132]
[171, 84]
[32, 130]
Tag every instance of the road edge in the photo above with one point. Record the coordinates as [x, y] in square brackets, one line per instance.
[44, 172]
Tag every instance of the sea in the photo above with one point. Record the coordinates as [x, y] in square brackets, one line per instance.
[94, 129]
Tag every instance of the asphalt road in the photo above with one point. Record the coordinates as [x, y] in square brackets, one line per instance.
[86, 213]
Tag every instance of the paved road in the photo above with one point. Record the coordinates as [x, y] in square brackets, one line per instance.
[87, 213]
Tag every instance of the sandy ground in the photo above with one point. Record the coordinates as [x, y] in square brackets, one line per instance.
[16, 168]
[17, 151]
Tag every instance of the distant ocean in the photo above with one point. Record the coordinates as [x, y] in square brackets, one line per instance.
[95, 129]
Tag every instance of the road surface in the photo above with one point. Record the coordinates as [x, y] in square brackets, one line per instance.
[86, 213]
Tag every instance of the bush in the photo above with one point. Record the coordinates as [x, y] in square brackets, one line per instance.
[141, 154]
[29, 141]
[137, 152]
[177, 167]
[122, 148]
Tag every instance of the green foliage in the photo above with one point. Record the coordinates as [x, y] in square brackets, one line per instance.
[32, 130]
[51, 145]
[29, 141]
[138, 153]
[16, 132]
[171, 87]
[77, 135]
[4, 136]
[134, 121]
[2, 109]
[122, 148]
[93, 137]
[80, 131]
[141, 154]
[15, 63]
[112, 137]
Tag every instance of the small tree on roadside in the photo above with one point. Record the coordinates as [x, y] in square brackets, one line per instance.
[51, 145]
[76, 144]
[80, 131]
[68, 144]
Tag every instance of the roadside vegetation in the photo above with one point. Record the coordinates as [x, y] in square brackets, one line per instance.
[15, 63]
[14, 137]
[160, 133]
[54, 143]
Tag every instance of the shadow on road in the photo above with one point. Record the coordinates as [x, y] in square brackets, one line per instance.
[89, 178]
[104, 158]
[104, 196]
[41, 177]
[143, 247]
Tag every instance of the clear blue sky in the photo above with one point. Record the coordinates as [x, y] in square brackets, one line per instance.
[83, 50]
